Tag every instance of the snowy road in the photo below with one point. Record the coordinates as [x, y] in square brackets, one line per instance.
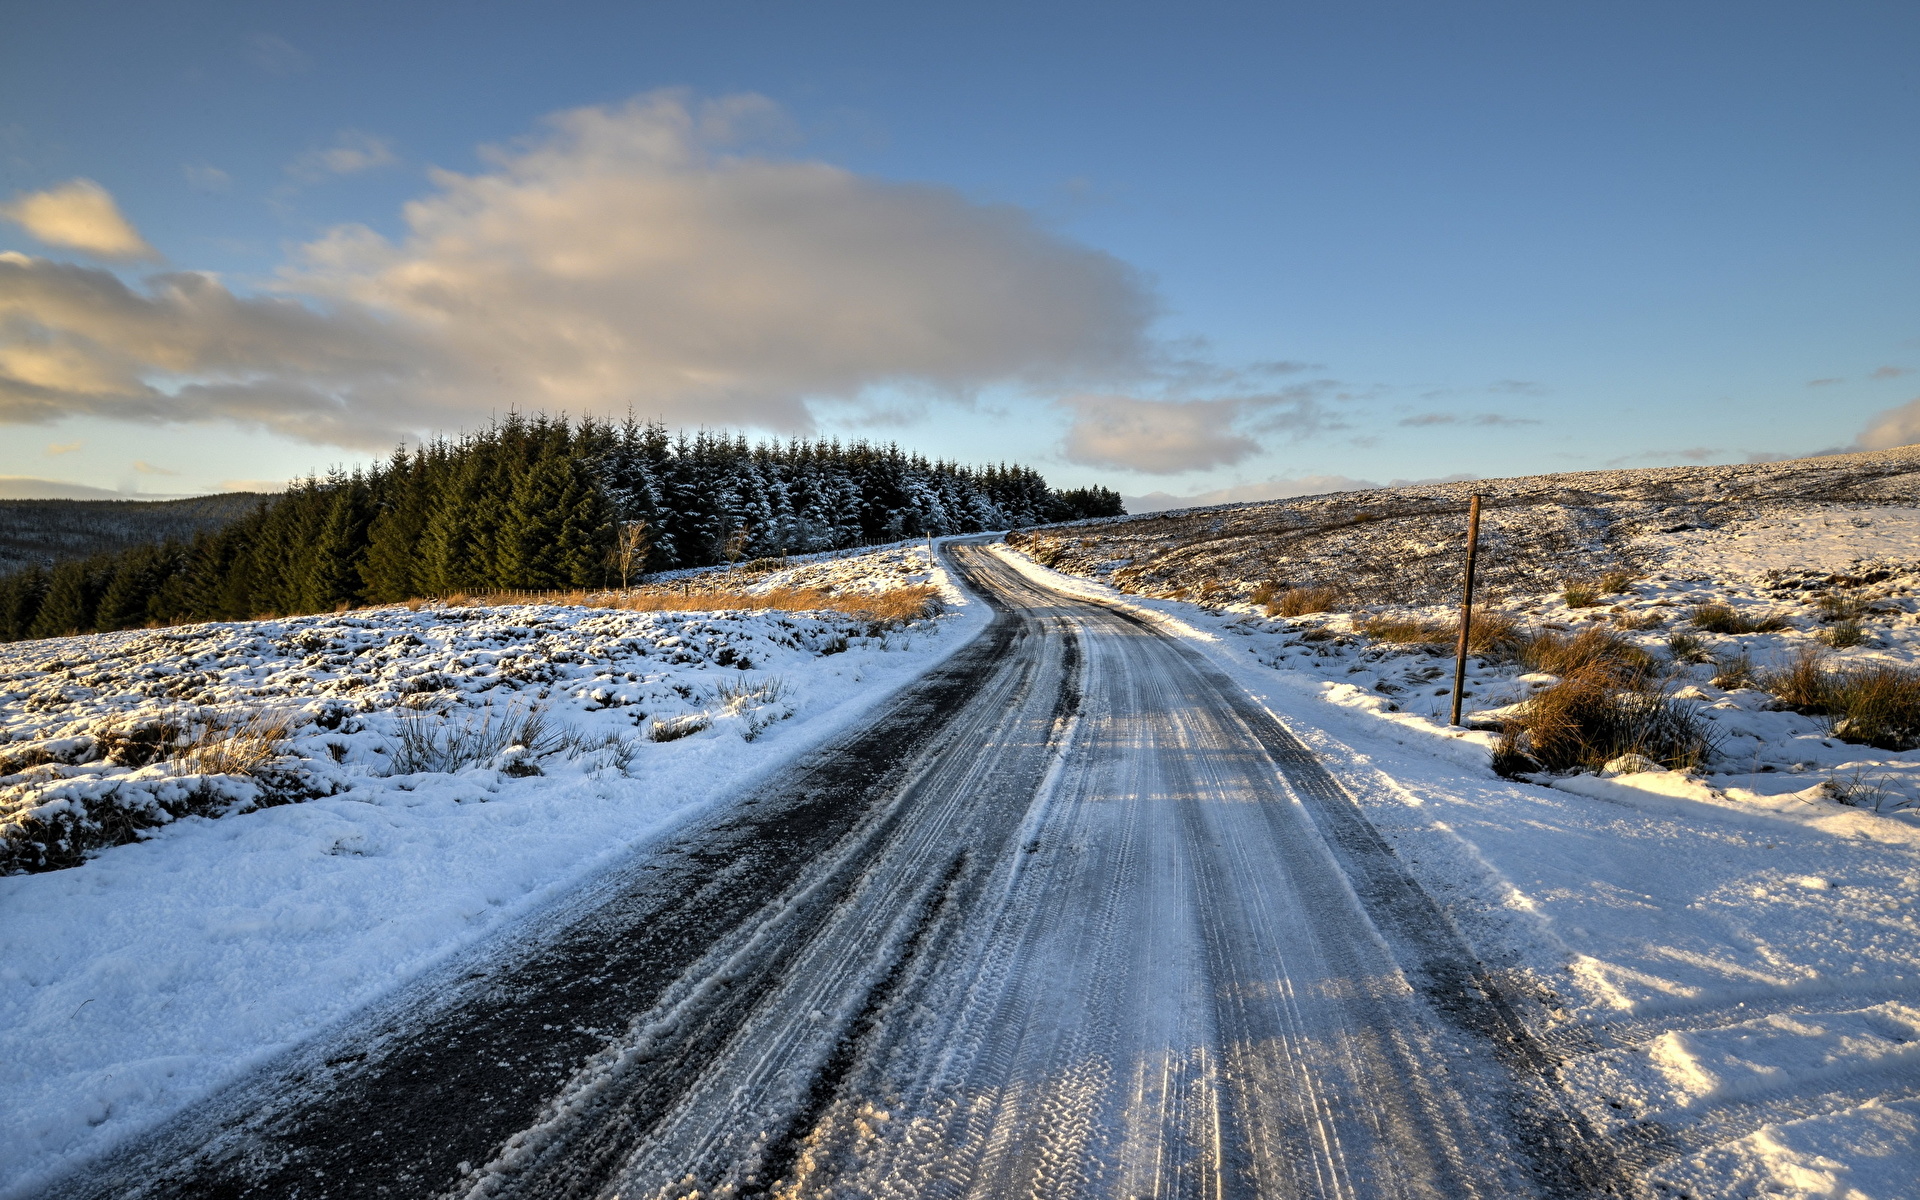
[1076, 918]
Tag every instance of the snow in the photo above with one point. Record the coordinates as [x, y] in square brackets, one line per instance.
[1862, 1153]
[1827, 538]
[1736, 955]
[157, 971]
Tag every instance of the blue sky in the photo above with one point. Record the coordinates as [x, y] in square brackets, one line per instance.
[1201, 250]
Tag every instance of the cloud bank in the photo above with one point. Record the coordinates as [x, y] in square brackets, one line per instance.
[627, 256]
[1167, 437]
[1899, 426]
[79, 215]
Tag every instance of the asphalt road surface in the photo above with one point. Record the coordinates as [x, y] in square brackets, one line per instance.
[1071, 917]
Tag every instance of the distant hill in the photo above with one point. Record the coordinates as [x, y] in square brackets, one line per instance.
[38, 533]
[1406, 545]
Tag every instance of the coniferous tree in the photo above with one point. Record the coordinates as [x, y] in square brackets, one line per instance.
[333, 575]
[535, 503]
[73, 596]
[403, 502]
[20, 597]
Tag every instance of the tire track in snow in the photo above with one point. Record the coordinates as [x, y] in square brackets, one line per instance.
[1081, 920]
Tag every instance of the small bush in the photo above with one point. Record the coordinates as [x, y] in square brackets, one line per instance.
[1299, 601]
[1719, 618]
[1589, 719]
[1581, 595]
[1843, 634]
[1614, 583]
[1686, 648]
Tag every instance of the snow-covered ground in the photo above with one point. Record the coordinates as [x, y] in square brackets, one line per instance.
[153, 972]
[1732, 957]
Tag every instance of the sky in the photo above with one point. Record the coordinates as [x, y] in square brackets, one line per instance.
[1196, 252]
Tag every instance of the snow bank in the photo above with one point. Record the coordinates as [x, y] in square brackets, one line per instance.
[157, 971]
[1742, 938]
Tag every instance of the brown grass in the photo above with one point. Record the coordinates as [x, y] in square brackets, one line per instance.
[1581, 595]
[1876, 705]
[235, 747]
[894, 607]
[1490, 633]
[1719, 618]
[1614, 583]
[1595, 652]
[1592, 717]
[1841, 606]
[1842, 634]
[1299, 601]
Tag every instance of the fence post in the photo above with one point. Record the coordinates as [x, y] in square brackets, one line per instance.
[1466, 606]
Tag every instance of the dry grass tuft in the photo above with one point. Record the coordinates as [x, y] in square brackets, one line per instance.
[1581, 595]
[1719, 618]
[1299, 601]
[1841, 606]
[1842, 634]
[243, 747]
[1615, 583]
[1406, 631]
[1595, 651]
[1686, 648]
[1490, 634]
[1877, 705]
[1735, 671]
[675, 728]
[1592, 717]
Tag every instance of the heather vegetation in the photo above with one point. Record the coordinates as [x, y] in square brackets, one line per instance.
[534, 505]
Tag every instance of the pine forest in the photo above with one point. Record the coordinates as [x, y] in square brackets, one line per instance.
[532, 504]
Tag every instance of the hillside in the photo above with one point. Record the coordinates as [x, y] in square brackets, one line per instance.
[1406, 545]
[38, 533]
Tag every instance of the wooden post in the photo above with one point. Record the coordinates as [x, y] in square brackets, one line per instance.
[1466, 607]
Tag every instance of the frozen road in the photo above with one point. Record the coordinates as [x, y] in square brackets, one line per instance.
[1075, 918]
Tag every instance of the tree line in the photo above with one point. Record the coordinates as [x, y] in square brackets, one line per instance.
[534, 503]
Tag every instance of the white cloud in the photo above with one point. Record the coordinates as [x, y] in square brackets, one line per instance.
[56, 449]
[147, 468]
[1892, 427]
[1166, 437]
[623, 258]
[351, 153]
[1481, 419]
[28, 487]
[274, 54]
[203, 178]
[79, 215]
